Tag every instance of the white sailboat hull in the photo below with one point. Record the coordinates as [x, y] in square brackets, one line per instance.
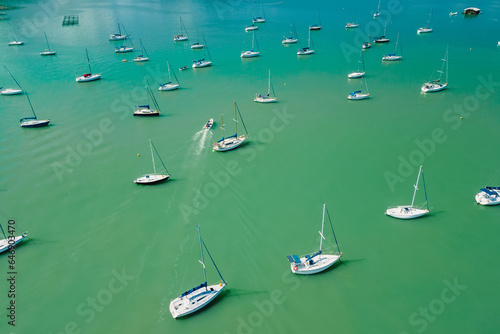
[406, 212]
[47, 53]
[424, 30]
[486, 199]
[305, 52]
[289, 41]
[4, 243]
[319, 264]
[180, 38]
[197, 46]
[315, 27]
[355, 75]
[250, 54]
[146, 112]
[381, 40]
[377, 14]
[366, 45]
[195, 301]
[250, 28]
[151, 178]
[141, 59]
[11, 91]
[229, 143]
[35, 123]
[433, 87]
[16, 43]
[200, 64]
[117, 37]
[259, 20]
[169, 86]
[124, 49]
[358, 96]
[87, 78]
[391, 58]
[264, 99]
[351, 25]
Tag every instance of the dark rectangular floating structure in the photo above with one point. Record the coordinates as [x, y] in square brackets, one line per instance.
[70, 20]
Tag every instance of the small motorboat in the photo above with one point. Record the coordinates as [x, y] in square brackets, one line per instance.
[183, 68]
[209, 124]
[453, 13]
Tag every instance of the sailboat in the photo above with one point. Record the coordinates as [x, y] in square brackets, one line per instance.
[231, 142]
[488, 196]
[359, 95]
[142, 57]
[251, 27]
[154, 177]
[367, 45]
[11, 91]
[88, 76]
[145, 110]
[251, 53]
[361, 69]
[382, 39]
[124, 48]
[317, 25]
[10, 241]
[436, 85]
[293, 36]
[393, 56]
[202, 62]
[266, 98]
[33, 122]
[15, 41]
[408, 211]
[169, 85]
[427, 28]
[353, 24]
[197, 45]
[201, 295]
[181, 37]
[47, 51]
[307, 50]
[260, 19]
[319, 261]
[377, 13]
[118, 36]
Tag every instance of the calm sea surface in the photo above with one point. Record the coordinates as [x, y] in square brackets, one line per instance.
[107, 256]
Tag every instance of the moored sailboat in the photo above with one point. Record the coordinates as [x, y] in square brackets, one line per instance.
[118, 36]
[427, 28]
[47, 51]
[436, 85]
[259, 19]
[146, 110]
[409, 211]
[293, 36]
[11, 91]
[203, 62]
[488, 196]
[317, 25]
[88, 76]
[32, 122]
[266, 98]
[251, 53]
[306, 50]
[358, 94]
[143, 56]
[320, 260]
[154, 177]
[234, 141]
[183, 36]
[201, 295]
[170, 85]
[361, 69]
[382, 39]
[393, 56]
[11, 240]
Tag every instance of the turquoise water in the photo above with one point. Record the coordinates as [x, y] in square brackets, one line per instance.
[107, 256]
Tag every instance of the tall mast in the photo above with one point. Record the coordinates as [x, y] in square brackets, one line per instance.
[309, 40]
[446, 59]
[269, 84]
[169, 77]
[322, 228]
[222, 122]
[319, 20]
[378, 7]
[235, 120]
[152, 155]
[119, 30]
[263, 14]
[416, 186]
[29, 101]
[397, 41]
[46, 40]
[253, 39]
[88, 61]
[202, 258]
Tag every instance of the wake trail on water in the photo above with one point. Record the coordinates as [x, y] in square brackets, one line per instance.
[198, 144]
